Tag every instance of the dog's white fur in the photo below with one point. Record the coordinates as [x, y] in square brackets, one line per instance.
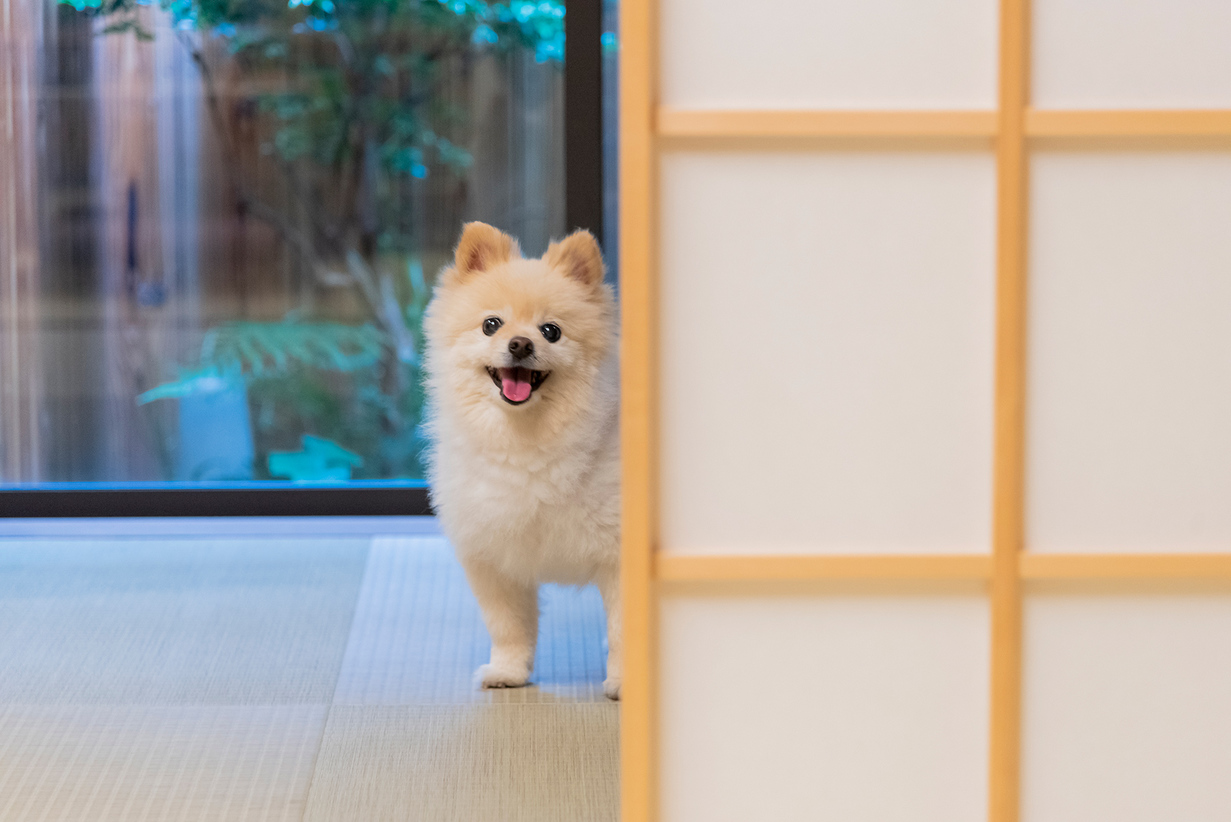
[526, 493]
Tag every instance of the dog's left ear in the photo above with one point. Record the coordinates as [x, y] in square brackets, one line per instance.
[579, 257]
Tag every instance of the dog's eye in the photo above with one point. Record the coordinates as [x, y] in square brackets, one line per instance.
[491, 324]
[550, 332]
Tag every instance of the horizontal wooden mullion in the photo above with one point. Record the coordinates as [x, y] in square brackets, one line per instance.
[1128, 123]
[673, 123]
[770, 568]
[689, 123]
[1061, 567]
[783, 568]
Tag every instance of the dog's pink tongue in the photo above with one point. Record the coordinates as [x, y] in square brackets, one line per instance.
[512, 384]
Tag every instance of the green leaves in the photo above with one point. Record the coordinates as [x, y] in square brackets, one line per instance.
[268, 349]
[207, 380]
[475, 24]
[363, 76]
[320, 460]
[412, 159]
[235, 351]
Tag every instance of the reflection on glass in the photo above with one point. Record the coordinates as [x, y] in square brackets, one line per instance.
[241, 210]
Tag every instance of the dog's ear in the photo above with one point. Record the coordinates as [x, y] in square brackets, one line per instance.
[481, 247]
[579, 257]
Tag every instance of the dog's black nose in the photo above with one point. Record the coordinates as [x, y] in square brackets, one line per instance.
[521, 347]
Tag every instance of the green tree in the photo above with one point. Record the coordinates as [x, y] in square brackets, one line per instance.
[356, 123]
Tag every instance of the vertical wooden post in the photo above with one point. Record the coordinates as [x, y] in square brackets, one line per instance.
[1009, 455]
[639, 414]
[21, 25]
[131, 245]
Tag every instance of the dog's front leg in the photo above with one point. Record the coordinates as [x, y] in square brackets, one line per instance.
[511, 612]
[609, 587]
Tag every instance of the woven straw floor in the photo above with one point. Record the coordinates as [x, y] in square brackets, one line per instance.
[269, 678]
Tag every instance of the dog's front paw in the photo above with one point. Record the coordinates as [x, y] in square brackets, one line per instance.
[498, 676]
[611, 687]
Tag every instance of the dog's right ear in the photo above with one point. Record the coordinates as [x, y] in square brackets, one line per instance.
[481, 247]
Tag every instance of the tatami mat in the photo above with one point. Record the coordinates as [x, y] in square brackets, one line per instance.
[468, 763]
[188, 622]
[102, 763]
[234, 678]
[418, 637]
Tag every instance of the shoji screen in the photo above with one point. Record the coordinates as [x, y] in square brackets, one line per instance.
[1127, 688]
[927, 384]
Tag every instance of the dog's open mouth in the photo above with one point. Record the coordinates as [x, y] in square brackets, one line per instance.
[517, 384]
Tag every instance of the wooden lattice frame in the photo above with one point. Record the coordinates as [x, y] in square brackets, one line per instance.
[645, 127]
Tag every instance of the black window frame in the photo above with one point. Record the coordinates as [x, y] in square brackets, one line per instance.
[583, 146]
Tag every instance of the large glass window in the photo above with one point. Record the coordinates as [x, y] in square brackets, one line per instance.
[234, 213]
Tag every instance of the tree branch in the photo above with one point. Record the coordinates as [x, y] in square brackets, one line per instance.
[301, 244]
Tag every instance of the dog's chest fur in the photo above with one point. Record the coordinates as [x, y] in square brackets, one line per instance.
[542, 514]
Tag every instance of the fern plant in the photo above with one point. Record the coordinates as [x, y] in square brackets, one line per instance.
[252, 350]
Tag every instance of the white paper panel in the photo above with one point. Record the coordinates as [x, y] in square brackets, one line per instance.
[1131, 53]
[804, 54]
[1129, 422]
[841, 708]
[826, 351]
[1127, 716]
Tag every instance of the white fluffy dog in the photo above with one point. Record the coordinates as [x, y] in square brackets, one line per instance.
[524, 469]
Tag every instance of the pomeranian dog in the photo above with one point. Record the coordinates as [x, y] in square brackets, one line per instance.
[522, 385]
